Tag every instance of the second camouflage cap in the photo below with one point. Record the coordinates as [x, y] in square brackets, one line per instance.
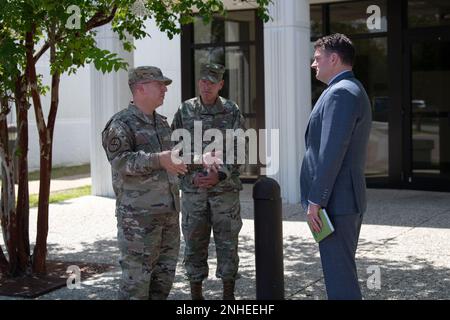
[146, 73]
[212, 72]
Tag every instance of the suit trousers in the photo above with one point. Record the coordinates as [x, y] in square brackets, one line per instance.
[337, 253]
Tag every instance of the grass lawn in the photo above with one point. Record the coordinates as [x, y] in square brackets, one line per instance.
[63, 195]
[59, 172]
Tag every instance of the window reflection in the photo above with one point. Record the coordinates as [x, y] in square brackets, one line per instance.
[430, 108]
[240, 64]
[371, 69]
[237, 26]
[316, 20]
[428, 13]
[352, 17]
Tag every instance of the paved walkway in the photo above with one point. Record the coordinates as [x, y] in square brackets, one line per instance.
[406, 234]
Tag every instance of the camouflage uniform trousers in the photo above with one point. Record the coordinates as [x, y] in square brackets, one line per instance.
[149, 246]
[201, 212]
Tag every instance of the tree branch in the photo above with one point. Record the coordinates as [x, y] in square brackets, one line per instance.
[54, 90]
[32, 78]
[99, 19]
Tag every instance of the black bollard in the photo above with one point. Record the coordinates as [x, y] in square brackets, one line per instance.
[268, 240]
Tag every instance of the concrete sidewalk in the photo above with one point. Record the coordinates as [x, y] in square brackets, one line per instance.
[406, 234]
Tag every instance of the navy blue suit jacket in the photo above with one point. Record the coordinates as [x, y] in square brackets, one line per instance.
[332, 172]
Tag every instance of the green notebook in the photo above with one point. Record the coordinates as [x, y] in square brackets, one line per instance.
[327, 226]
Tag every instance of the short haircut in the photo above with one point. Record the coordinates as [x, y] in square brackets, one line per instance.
[133, 87]
[339, 44]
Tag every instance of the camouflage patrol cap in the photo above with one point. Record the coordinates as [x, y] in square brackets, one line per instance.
[145, 74]
[212, 72]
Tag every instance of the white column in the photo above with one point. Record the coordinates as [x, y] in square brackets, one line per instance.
[288, 87]
[109, 94]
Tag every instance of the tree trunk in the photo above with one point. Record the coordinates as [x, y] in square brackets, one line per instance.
[16, 226]
[40, 249]
[23, 202]
[8, 211]
[46, 144]
[4, 265]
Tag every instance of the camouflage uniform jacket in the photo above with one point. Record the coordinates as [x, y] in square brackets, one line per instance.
[225, 114]
[131, 140]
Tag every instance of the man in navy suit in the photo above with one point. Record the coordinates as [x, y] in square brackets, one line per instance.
[332, 173]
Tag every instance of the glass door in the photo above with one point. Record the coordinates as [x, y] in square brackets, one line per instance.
[429, 111]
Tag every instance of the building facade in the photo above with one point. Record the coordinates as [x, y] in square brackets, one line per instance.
[402, 60]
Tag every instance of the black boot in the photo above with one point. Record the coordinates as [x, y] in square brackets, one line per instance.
[228, 290]
[196, 290]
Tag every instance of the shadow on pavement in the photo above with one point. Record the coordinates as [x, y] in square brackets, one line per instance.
[403, 277]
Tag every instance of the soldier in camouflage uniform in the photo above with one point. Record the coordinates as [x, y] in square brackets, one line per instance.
[210, 199]
[138, 146]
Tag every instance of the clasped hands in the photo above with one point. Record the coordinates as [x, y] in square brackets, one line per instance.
[173, 164]
[210, 177]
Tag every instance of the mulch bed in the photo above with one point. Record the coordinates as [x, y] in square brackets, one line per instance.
[56, 277]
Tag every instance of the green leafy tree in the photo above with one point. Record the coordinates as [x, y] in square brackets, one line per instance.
[64, 31]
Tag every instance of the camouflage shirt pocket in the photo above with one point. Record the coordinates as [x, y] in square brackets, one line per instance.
[147, 141]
